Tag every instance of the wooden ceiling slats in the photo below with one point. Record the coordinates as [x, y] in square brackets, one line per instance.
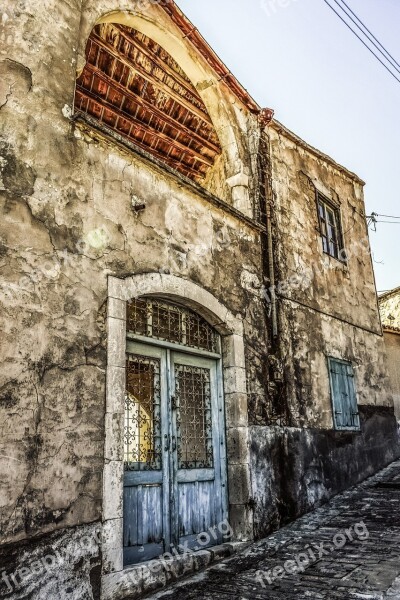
[142, 127]
[136, 67]
[163, 65]
[135, 87]
[145, 104]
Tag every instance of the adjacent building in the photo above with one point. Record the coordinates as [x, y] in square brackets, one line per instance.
[389, 304]
[191, 344]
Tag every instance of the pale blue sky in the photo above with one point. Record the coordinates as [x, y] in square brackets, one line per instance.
[298, 58]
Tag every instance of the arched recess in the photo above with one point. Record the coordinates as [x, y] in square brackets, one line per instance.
[131, 85]
[189, 294]
[156, 26]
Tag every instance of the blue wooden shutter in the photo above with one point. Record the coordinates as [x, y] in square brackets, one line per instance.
[344, 400]
[354, 418]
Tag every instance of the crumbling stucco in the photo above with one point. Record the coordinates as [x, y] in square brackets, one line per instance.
[63, 565]
[67, 224]
[326, 307]
[77, 206]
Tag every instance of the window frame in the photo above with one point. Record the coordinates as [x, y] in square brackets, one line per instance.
[352, 395]
[330, 228]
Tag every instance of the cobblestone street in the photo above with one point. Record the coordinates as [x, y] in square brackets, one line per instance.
[349, 548]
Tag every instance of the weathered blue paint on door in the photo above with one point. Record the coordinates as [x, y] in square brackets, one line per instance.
[178, 494]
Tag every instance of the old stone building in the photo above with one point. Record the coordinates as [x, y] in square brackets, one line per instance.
[389, 304]
[191, 345]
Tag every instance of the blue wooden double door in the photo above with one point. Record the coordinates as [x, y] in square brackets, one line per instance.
[175, 465]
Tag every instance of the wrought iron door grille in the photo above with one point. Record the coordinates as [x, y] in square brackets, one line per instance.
[194, 423]
[171, 323]
[142, 435]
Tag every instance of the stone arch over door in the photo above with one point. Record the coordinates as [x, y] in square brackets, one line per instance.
[189, 294]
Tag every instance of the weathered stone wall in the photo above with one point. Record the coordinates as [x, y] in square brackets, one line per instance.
[65, 565]
[67, 224]
[295, 470]
[392, 343]
[389, 305]
[325, 307]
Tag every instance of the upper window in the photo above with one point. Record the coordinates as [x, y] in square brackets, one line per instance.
[343, 393]
[331, 233]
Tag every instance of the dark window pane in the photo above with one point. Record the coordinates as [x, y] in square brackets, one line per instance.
[330, 229]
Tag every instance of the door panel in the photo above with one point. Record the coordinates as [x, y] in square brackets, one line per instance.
[143, 523]
[146, 480]
[194, 431]
[196, 507]
[196, 453]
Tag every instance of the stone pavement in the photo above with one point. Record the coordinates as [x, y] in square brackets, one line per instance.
[349, 548]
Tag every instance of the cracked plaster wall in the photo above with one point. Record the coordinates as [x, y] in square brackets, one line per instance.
[325, 308]
[64, 565]
[389, 306]
[331, 308]
[67, 224]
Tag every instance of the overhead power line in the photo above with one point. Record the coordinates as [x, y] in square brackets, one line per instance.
[372, 220]
[392, 222]
[370, 32]
[387, 216]
[370, 36]
[361, 40]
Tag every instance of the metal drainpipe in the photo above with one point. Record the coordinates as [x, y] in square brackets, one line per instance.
[271, 274]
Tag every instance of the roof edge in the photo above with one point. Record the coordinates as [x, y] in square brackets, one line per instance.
[389, 329]
[191, 33]
[389, 293]
[280, 128]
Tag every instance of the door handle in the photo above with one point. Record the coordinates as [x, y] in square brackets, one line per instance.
[173, 403]
[167, 442]
[173, 443]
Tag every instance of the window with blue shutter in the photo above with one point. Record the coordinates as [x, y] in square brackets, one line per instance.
[343, 393]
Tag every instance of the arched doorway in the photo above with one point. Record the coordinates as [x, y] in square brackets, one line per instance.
[175, 492]
[229, 330]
